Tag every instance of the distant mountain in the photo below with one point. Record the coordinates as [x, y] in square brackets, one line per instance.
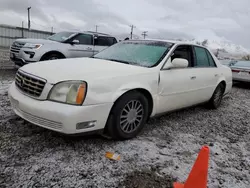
[227, 49]
[222, 46]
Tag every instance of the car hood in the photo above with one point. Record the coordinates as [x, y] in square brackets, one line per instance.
[36, 41]
[81, 69]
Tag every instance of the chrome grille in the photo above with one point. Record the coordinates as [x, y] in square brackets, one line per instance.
[29, 84]
[16, 46]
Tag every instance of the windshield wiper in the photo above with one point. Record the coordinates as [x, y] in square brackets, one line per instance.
[119, 61]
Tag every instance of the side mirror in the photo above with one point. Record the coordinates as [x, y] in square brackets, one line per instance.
[75, 42]
[179, 63]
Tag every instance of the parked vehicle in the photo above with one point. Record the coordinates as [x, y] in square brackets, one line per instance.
[58, 46]
[118, 89]
[227, 62]
[240, 71]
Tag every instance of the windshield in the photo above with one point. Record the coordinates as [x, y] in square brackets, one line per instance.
[140, 53]
[62, 36]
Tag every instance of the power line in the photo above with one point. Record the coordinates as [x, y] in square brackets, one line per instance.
[144, 34]
[131, 33]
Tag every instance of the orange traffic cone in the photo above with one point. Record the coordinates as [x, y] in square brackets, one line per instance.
[198, 175]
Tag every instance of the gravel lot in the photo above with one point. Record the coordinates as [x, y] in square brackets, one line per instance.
[5, 62]
[165, 151]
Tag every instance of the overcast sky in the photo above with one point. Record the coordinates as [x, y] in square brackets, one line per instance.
[211, 19]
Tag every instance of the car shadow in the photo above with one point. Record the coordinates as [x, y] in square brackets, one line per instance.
[242, 85]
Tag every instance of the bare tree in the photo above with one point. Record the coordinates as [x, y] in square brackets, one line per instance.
[247, 57]
[217, 53]
[204, 43]
[198, 43]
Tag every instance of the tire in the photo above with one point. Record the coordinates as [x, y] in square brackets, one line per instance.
[216, 99]
[52, 57]
[126, 121]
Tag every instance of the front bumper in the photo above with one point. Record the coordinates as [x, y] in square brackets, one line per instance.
[21, 58]
[57, 116]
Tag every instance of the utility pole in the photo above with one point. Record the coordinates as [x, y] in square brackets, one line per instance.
[22, 30]
[29, 17]
[96, 26]
[144, 34]
[52, 30]
[131, 33]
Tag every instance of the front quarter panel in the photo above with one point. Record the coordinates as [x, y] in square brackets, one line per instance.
[108, 90]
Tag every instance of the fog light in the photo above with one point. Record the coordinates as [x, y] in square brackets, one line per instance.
[30, 53]
[85, 125]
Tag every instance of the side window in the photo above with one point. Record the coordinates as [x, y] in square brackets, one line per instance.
[210, 59]
[201, 57]
[84, 39]
[113, 40]
[105, 41]
[185, 52]
[102, 41]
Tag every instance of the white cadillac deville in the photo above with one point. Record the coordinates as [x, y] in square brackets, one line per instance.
[117, 90]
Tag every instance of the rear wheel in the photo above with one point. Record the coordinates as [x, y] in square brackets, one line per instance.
[216, 99]
[128, 116]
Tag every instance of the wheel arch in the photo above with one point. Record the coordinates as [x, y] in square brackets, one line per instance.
[52, 52]
[223, 82]
[141, 90]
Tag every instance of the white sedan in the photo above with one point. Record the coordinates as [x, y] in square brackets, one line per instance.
[118, 89]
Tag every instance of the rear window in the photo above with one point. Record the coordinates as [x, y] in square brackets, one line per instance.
[242, 64]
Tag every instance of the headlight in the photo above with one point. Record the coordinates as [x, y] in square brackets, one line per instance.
[32, 46]
[69, 92]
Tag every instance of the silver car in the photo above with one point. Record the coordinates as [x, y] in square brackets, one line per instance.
[240, 71]
[58, 46]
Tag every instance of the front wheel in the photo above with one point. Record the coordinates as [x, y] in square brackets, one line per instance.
[128, 116]
[53, 57]
[216, 99]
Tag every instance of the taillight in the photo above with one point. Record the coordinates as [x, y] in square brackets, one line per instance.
[235, 70]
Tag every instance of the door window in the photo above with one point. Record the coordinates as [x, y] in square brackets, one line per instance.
[201, 57]
[84, 39]
[210, 59]
[185, 52]
[105, 41]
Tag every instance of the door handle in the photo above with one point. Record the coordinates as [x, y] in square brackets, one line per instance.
[89, 48]
[193, 77]
[216, 75]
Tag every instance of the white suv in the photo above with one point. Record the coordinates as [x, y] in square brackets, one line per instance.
[59, 46]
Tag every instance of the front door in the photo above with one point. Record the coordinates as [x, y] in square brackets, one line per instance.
[177, 87]
[84, 48]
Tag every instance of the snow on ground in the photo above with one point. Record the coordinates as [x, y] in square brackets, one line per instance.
[5, 62]
[31, 156]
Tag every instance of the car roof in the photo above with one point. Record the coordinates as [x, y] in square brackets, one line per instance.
[171, 41]
[97, 33]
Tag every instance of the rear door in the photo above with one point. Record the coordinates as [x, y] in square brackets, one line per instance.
[103, 42]
[84, 48]
[207, 73]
